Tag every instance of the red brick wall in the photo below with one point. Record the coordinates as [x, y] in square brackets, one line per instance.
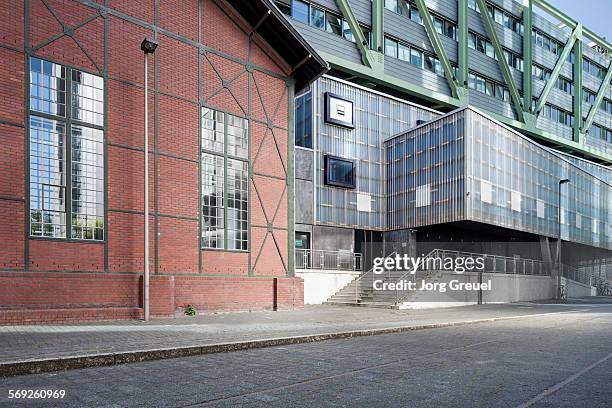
[174, 172]
[50, 297]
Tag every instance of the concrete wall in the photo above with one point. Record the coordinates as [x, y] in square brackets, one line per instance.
[577, 289]
[505, 288]
[320, 285]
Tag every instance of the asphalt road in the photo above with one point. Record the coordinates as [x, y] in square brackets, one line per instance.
[560, 360]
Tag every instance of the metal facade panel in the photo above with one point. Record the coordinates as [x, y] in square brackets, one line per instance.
[465, 153]
[407, 72]
[485, 65]
[376, 118]
[511, 163]
[328, 42]
[491, 103]
[426, 160]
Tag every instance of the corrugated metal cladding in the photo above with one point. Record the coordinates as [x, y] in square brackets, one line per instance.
[475, 169]
[377, 117]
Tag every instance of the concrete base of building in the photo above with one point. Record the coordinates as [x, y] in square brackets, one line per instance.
[577, 289]
[36, 297]
[504, 288]
[320, 285]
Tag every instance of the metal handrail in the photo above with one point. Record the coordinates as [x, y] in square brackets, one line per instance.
[357, 281]
[535, 265]
[577, 275]
[324, 259]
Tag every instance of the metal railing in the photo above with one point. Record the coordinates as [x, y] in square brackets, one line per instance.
[492, 264]
[577, 275]
[330, 260]
[498, 263]
[369, 272]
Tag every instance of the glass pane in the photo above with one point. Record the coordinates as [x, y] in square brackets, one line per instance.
[334, 24]
[47, 87]
[212, 201]
[317, 18]
[340, 172]
[237, 136]
[299, 11]
[237, 204]
[213, 130]
[346, 31]
[390, 47]
[403, 52]
[47, 178]
[87, 172]
[416, 58]
[392, 5]
[303, 121]
[87, 98]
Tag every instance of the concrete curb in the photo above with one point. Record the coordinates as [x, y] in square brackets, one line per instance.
[37, 366]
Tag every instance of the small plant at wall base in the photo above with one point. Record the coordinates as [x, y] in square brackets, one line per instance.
[190, 310]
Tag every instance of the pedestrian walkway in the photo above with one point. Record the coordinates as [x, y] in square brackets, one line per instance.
[106, 343]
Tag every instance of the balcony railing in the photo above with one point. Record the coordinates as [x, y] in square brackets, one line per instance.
[328, 260]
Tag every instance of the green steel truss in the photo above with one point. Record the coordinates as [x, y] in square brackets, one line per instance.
[372, 69]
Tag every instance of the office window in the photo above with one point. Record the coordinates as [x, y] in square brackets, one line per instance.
[451, 31]
[416, 58]
[317, 18]
[471, 81]
[299, 11]
[481, 45]
[339, 172]
[480, 84]
[303, 121]
[423, 195]
[438, 25]
[392, 5]
[472, 41]
[224, 160]
[346, 31]
[415, 15]
[66, 190]
[403, 52]
[432, 64]
[489, 49]
[390, 47]
[333, 24]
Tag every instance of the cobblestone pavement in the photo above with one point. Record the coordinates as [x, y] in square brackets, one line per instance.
[21, 343]
[554, 360]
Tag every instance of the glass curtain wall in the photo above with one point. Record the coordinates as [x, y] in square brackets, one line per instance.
[376, 118]
[514, 183]
[425, 174]
[467, 166]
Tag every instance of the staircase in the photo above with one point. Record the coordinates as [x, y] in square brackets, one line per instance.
[360, 291]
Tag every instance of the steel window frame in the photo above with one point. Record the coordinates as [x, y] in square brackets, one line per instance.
[68, 121]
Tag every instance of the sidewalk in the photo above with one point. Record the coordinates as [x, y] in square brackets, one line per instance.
[31, 349]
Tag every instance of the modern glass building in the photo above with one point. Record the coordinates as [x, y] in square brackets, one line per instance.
[515, 99]
[466, 166]
[526, 64]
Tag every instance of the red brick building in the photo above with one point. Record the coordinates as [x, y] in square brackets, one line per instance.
[221, 86]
